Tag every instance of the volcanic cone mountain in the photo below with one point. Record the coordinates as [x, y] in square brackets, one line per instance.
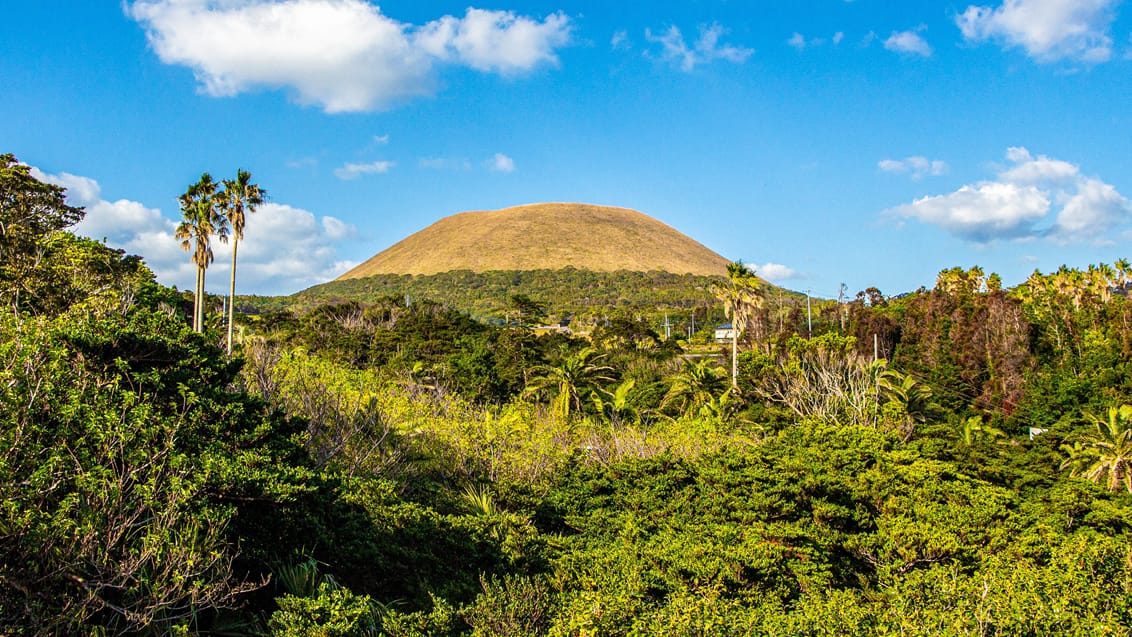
[547, 236]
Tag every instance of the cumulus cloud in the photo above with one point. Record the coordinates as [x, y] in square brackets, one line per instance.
[501, 163]
[342, 55]
[287, 249]
[118, 222]
[983, 212]
[707, 48]
[777, 272]
[1095, 208]
[1048, 30]
[1030, 170]
[910, 42]
[352, 171]
[284, 250]
[495, 41]
[916, 167]
[1033, 197]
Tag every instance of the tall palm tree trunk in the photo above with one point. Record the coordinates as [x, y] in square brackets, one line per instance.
[200, 307]
[197, 300]
[232, 293]
[734, 356]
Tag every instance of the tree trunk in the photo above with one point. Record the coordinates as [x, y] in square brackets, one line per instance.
[197, 301]
[734, 356]
[200, 308]
[232, 293]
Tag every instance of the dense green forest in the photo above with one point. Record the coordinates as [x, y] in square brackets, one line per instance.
[583, 297]
[954, 461]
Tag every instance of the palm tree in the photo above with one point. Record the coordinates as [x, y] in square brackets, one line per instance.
[914, 398]
[973, 429]
[698, 388]
[1105, 456]
[202, 219]
[574, 376]
[742, 296]
[239, 196]
[1103, 279]
[1123, 272]
[616, 405]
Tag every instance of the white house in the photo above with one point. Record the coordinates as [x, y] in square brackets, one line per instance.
[724, 333]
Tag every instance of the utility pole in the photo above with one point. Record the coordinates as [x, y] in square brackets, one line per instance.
[667, 327]
[841, 304]
[809, 318]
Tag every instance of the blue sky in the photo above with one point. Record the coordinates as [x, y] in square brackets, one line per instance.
[823, 142]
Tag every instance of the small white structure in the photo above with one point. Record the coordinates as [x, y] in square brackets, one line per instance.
[1035, 432]
[724, 333]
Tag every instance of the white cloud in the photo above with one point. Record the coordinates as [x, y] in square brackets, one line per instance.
[381, 139]
[116, 221]
[353, 171]
[801, 42]
[705, 50]
[983, 212]
[501, 163]
[1095, 209]
[916, 167]
[910, 42]
[777, 272]
[343, 55]
[498, 41]
[284, 249]
[1035, 197]
[1048, 30]
[305, 162]
[445, 163]
[336, 229]
[1028, 170]
[620, 41]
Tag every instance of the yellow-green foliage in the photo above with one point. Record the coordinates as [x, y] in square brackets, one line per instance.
[361, 419]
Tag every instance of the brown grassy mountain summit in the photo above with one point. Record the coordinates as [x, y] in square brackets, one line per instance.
[546, 236]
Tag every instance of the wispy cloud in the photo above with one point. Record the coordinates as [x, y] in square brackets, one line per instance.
[706, 49]
[444, 163]
[1033, 197]
[501, 163]
[916, 167]
[344, 55]
[353, 171]
[910, 42]
[801, 42]
[1048, 30]
[620, 41]
[777, 272]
